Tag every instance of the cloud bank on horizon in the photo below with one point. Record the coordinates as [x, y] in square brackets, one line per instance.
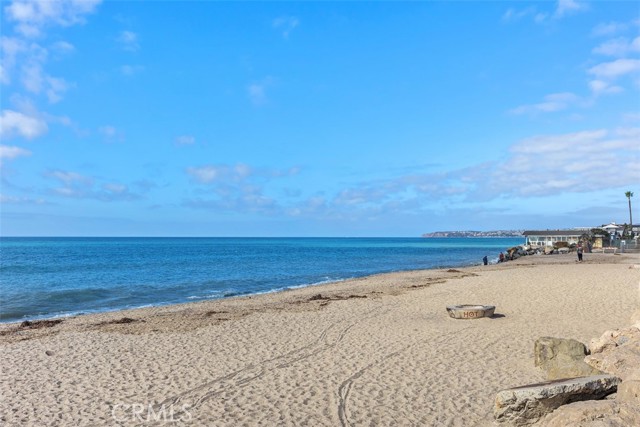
[316, 119]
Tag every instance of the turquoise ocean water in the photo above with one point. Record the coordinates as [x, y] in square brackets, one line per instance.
[47, 277]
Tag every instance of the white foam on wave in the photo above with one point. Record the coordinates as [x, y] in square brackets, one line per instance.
[322, 282]
[213, 295]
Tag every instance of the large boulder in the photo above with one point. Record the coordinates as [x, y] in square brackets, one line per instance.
[527, 404]
[629, 391]
[602, 413]
[617, 353]
[635, 317]
[562, 358]
[622, 361]
[612, 339]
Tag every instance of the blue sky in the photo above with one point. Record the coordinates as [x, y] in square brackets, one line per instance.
[316, 118]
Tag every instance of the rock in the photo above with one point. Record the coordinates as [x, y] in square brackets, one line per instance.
[617, 353]
[611, 339]
[629, 391]
[633, 374]
[635, 319]
[562, 358]
[548, 348]
[603, 413]
[622, 361]
[563, 250]
[598, 345]
[527, 404]
[548, 250]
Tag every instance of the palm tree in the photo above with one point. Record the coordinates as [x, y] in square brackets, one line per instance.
[629, 195]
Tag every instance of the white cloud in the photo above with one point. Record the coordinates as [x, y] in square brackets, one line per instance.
[615, 47]
[32, 58]
[620, 46]
[76, 185]
[236, 188]
[108, 131]
[557, 143]
[63, 47]
[221, 173]
[249, 201]
[32, 16]
[56, 87]
[609, 28]
[257, 93]
[574, 162]
[600, 87]
[11, 152]
[130, 70]
[185, 140]
[542, 165]
[204, 174]
[11, 48]
[32, 77]
[513, 15]
[629, 133]
[4, 75]
[115, 188]
[242, 170]
[111, 133]
[562, 9]
[540, 18]
[552, 102]
[14, 123]
[128, 40]
[4, 199]
[631, 117]
[69, 177]
[286, 24]
[566, 7]
[616, 68]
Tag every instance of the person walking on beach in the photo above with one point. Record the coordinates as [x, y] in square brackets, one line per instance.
[485, 260]
[579, 250]
[501, 258]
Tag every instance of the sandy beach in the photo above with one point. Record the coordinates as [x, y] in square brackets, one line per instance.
[374, 351]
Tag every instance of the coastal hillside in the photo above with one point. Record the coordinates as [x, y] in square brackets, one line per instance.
[496, 233]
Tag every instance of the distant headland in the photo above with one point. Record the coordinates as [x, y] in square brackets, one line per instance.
[496, 233]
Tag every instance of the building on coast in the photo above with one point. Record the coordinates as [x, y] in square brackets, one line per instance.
[613, 228]
[551, 237]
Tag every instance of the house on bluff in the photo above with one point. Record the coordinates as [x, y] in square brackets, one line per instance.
[550, 237]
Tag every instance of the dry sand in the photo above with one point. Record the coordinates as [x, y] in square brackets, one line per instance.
[369, 352]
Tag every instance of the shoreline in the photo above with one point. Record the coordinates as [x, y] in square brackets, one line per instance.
[240, 295]
[169, 307]
[379, 349]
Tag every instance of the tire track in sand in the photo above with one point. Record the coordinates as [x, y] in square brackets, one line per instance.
[345, 387]
[195, 397]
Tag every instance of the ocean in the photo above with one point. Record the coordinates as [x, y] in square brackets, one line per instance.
[50, 277]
